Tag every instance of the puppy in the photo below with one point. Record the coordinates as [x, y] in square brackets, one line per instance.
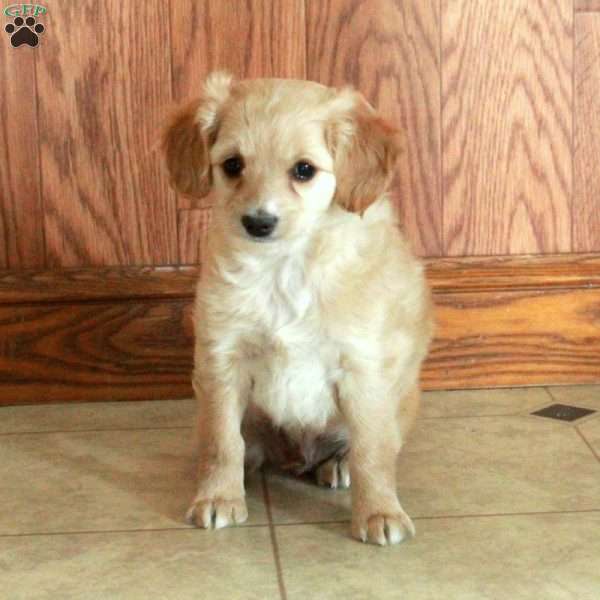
[312, 317]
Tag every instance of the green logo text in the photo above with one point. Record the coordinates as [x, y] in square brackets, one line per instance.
[22, 10]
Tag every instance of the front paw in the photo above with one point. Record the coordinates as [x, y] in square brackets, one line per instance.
[383, 529]
[216, 513]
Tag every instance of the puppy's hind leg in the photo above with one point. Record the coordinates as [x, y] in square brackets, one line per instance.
[326, 455]
[334, 473]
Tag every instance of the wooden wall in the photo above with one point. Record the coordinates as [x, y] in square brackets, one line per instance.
[500, 105]
[499, 102]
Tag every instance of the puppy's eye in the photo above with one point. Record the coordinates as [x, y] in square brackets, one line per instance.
[233, 166]
[303, 171]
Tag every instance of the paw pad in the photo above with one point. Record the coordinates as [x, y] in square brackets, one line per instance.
[24, 31]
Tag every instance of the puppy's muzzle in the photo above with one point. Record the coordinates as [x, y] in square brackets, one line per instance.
[260, 225]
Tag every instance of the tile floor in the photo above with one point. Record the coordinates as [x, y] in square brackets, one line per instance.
[506, 505]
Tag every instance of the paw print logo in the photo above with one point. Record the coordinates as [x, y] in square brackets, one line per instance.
[24, 32]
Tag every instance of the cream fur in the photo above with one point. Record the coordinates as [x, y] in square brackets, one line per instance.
[323, 327]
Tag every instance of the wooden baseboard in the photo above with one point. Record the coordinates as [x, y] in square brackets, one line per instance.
[125, 333]
[515, 321]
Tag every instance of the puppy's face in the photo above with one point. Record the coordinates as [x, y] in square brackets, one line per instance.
[277, 153]
[271, 168]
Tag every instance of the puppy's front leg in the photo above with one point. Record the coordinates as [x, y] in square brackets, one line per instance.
[220, 499]
[372, 414]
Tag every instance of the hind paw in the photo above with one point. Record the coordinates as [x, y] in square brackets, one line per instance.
[334, 473]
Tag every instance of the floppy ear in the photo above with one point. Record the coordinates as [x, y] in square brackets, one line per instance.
[188, 135]
[365, 148]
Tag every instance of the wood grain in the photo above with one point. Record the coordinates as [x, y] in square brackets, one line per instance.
[496, 339]
[514, 273]
[118, 284]
[193, 227]
[446, 275]
[103, 87]
[249, 38]
[587, 5]
[95, 351]
[586, 157]
[389, 50]
[501, 322]
[21, 217]
[506, 126]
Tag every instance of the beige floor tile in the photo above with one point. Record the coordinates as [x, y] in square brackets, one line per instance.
[302, 501]
[97, 415]
[585, 396]
[553, 557]
[89, 481]
[172, 565]
[467, 403]
[484, 465]
[591, 432]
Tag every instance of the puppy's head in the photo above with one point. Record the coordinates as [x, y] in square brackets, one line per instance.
[278, 152]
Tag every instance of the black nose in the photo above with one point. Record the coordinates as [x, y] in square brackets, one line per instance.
[259, 225]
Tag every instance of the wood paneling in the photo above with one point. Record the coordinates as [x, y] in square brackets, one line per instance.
[515, 321]
[497, 339]
[97, 284]
[586, 158]
[501, 322]
[103, 88]
[95, 351]
[587, 5]
[516, 273]
[193, 226]
[250, 38]
[389, 50]
[499, 104]
[506, 126]
[21, 231]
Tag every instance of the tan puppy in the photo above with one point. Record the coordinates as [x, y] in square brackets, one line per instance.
[312, 317]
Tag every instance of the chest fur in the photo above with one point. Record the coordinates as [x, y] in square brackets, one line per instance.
[286, 351]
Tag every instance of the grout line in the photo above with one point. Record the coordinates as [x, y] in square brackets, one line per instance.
[275, 546]
[467, 516]
[550, 394]
[272, 526]
[52, 431]
[332, 522]
[509, 514]
[586, 442]
[527, 412]
[110, 531]
[491, 416]
[291, 524]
